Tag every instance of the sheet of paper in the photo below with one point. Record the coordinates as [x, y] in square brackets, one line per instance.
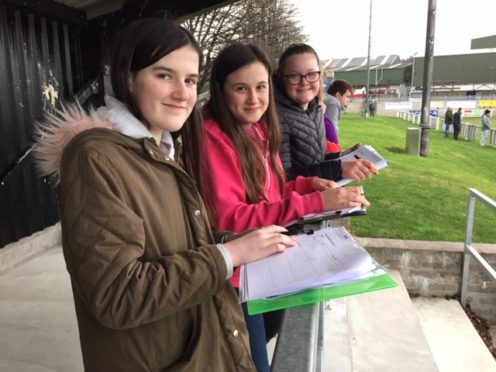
[363, 152]
[328, 256]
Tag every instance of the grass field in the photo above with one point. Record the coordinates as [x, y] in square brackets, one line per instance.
[475, 120]
[422, 198]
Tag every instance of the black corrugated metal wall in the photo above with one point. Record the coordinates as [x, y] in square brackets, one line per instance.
[39, 64]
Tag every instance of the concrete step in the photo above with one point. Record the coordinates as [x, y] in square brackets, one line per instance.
[377, 331]
[455, 343]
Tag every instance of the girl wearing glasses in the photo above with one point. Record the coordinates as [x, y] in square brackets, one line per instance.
[243, 180]
[303, 145]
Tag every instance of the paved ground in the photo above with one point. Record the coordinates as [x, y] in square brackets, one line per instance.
[38, 325]
[37, 320]
[39, 331]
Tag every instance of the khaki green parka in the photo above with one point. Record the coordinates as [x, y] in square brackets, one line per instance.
[149, 284]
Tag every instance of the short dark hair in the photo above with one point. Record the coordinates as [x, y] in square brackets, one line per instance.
[487, 111]
[339, 86]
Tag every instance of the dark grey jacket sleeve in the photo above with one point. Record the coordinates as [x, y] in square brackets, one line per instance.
[328, 169]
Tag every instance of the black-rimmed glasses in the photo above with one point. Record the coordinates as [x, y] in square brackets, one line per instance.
[295, 79]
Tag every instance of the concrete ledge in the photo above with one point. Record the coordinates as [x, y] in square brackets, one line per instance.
[385, 333]
[438, 246]
[428, 268]
[337, 347]
[16, 253]
[434, 269]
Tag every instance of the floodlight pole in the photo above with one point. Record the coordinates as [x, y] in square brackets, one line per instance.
[413, 72]
[366, 111]
[427, 81]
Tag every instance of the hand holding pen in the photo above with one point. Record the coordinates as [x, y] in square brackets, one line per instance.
[359, 169]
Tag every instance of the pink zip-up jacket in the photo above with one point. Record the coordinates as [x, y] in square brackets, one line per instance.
[227, 192]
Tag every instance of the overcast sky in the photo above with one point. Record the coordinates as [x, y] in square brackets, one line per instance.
[339, 28]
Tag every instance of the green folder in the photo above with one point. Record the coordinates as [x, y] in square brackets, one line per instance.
[380, 280]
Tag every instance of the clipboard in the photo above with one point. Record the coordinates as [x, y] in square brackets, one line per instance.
[378, 281]
[306, 225]
[299, 225]
[325, 217]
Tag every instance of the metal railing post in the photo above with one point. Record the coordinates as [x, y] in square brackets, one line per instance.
[470, 251]
[469, 227]
[320, 340]
[299, 344]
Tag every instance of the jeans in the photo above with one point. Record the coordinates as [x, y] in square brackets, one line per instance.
[456, 131]
[272, 323]
[447, 128]
[485, 135]
[256, 331]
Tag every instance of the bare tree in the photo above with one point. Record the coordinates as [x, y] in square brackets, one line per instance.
[270, 23]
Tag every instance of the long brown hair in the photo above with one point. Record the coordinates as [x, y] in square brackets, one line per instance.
[295, 49]
[141, 44]
[229, 60]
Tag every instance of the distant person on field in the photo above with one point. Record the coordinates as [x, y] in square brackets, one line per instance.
[448, 120]
[457, 123]
[337, 99]
[486, 126]
[373, 107]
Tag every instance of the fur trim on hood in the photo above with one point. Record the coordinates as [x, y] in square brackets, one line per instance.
[56, 131]
[59, 128]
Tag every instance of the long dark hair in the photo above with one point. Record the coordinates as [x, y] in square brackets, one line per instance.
[139, 45]
[229, 60]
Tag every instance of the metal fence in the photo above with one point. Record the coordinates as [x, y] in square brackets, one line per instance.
[469, 250]
[435, 122]
[467, 131]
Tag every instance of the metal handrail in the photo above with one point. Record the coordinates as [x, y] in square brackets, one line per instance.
[469, 250]
[300, 342]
